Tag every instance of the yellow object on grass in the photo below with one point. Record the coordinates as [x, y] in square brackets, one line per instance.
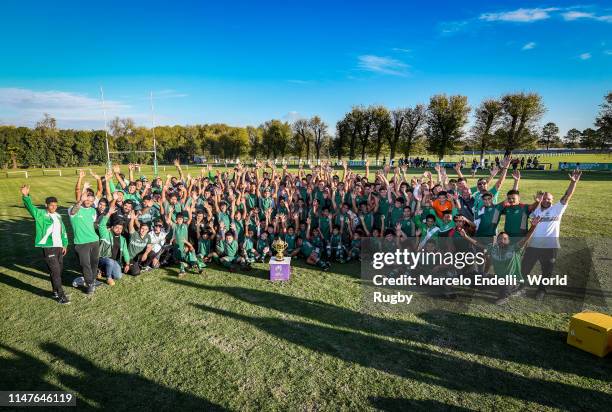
[591, 332]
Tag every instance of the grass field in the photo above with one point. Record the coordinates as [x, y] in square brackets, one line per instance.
[236, 341]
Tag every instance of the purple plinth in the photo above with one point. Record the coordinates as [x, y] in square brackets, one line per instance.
[280, 269]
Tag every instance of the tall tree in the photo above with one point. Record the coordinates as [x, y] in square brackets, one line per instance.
[303, 134]
[364, 121]
[254, 138]
[550, 135]
[520, 114]
[343, 131]
[603, 122]
[593, 139]
[415, 120]
[446, 118]
[383, 129]
[275, 138]
[318, 128]
[572, 138]
[486, 120]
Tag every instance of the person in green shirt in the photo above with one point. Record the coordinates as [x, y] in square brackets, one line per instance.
[86, 241]
[137, 244]
[506, 257]
[487, 217]
[247, 249]
[310, 251]
[113, 247]
[227, 252]
[517, 215]
[325, 224]
[335, 248]
[51, 237]
[184, 252]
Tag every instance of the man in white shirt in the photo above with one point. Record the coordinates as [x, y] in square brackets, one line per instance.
[545, 242]
[153, 252]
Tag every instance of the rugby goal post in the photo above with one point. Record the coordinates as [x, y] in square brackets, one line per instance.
[45, 172]
[25, 172]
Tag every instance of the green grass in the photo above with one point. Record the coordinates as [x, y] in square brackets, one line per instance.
[240, 342]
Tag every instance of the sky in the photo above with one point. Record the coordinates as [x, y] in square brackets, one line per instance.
[245, 62]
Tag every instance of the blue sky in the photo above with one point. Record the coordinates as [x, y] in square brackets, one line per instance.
[246, 62]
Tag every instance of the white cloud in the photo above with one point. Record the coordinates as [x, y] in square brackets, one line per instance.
[529, 46]
[582, 15]
[585, 56]
[292, 116]
[383, 65]
[399, 49]
[520, 15]
[608, 52]
[575, 15]
[25, 106]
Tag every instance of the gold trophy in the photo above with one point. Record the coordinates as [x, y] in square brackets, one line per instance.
[280, 246]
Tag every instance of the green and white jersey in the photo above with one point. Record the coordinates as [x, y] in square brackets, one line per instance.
[487, 219]
[517, 218]
[229, 249]
[180, 233]
[324, 226]
[477, 195]
[137, 244]
[224, 218]
[506, 260]
[83, 225]
[50, 229]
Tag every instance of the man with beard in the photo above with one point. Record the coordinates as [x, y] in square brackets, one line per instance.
[545, 244]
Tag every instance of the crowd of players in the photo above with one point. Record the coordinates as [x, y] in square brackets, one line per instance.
[127, 224]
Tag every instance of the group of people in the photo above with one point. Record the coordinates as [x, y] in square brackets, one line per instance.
[230, 218]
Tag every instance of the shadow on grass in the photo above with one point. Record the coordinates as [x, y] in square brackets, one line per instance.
[94, 386]
[348, 335]
[398, 404]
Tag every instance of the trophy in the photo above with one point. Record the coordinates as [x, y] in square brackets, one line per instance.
[279, 245]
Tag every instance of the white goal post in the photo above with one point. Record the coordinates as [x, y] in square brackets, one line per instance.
[46, 171]
[25, 172]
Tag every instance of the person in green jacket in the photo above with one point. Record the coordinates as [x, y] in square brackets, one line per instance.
[113, 247]
[51, 238]
[86, 241]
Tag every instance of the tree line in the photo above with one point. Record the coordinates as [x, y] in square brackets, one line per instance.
[508, 123]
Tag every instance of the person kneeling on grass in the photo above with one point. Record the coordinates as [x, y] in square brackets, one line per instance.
[184, 252]
[227, 252]
[137, 244]
[156, 252]
[113, 247]
[506, 257]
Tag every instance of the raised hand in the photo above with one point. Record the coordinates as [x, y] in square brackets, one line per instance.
[575, 175]
[538, 196]
[516, 175]
[81, 173]
[25, 190]
[536, 220]
[95, 176]
[505, 162]
[116, 169]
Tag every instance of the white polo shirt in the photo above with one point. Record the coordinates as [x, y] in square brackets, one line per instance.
[546, 235]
